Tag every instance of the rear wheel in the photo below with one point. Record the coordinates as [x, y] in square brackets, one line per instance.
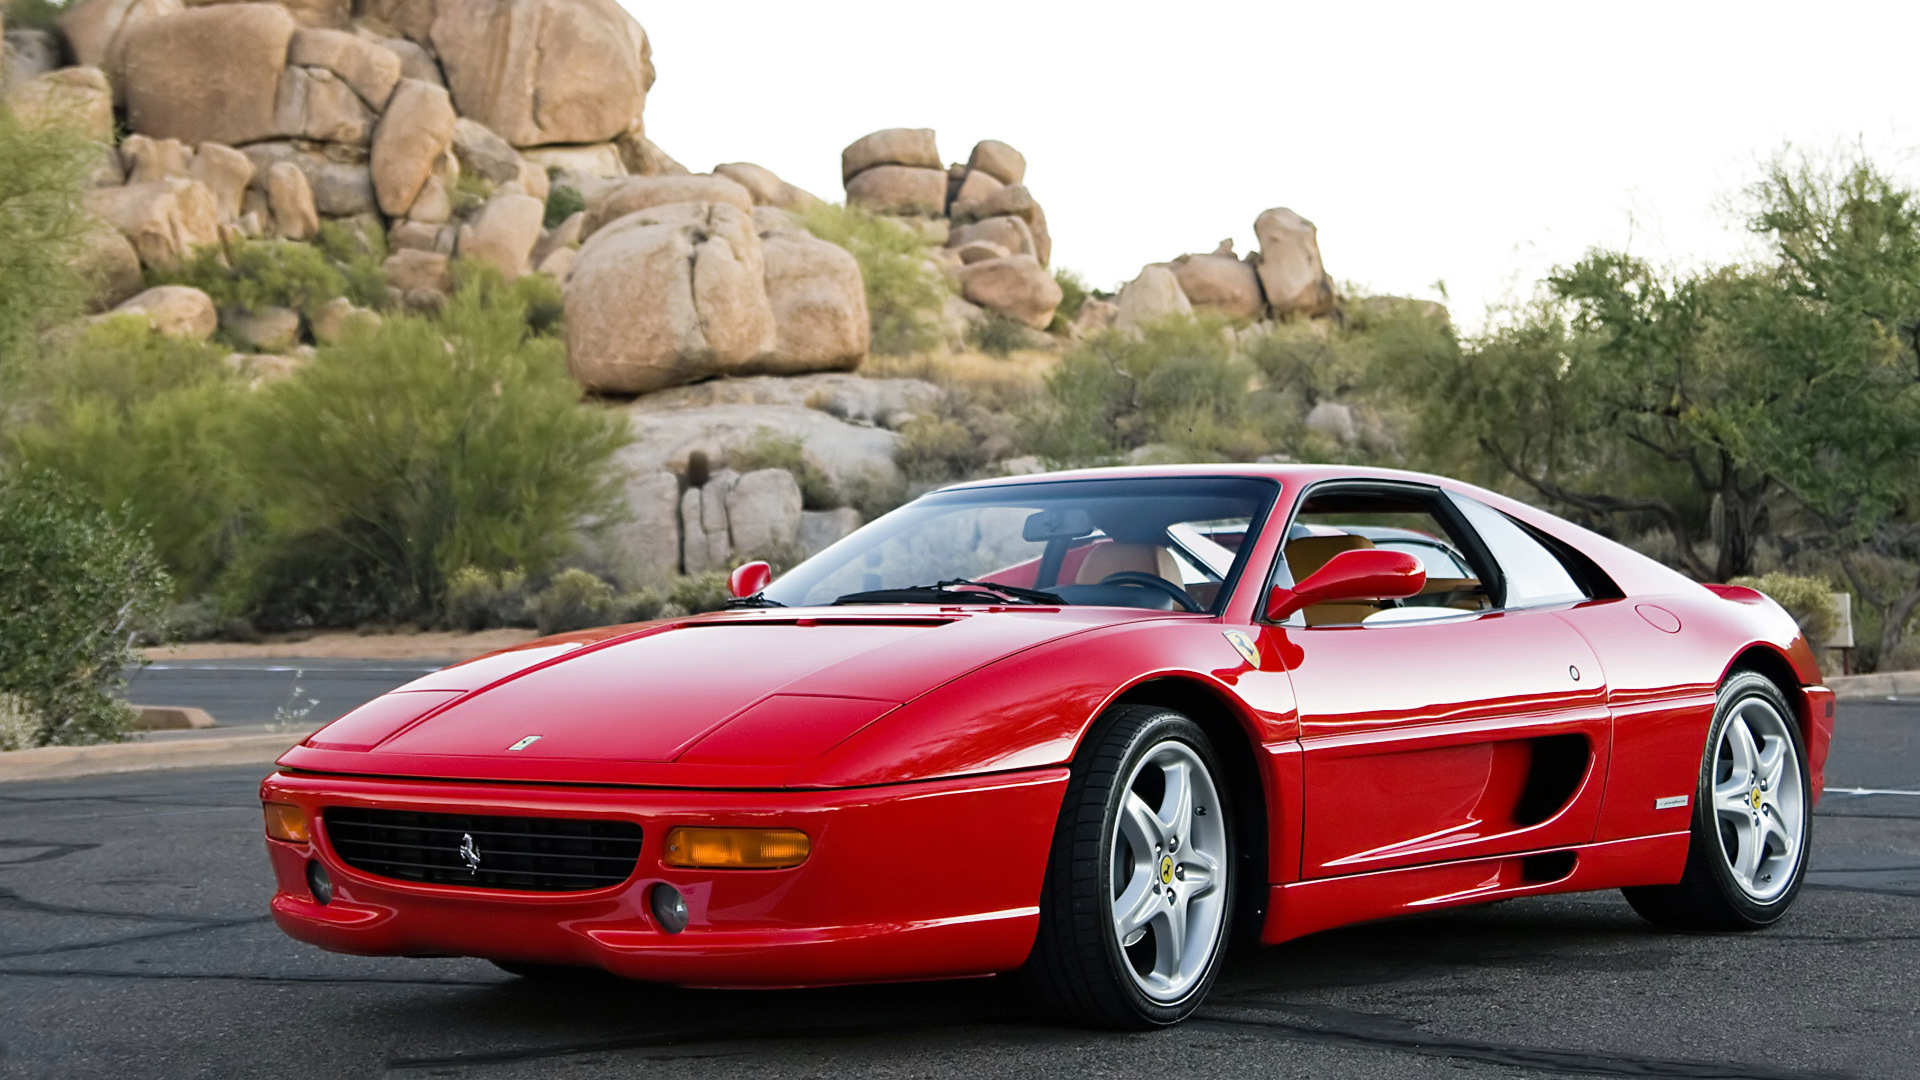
[1752, 819]
[1139, 892]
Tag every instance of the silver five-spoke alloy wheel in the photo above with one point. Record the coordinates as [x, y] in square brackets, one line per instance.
[1168, 858]
[1759, 801]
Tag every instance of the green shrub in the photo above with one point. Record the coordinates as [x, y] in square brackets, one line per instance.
[42, 173]
[146, 423]
[32, 14]
[577, 600]
[478, 600]
[937, 449]
[359, 255]
[199, 619]
[563, 201]
[261, 274]
[904, 294]
[997, 335]
[700, 592]
[79, 582]
[1809, 600]
[470, 192]
[399, 456]
[768, 449]
[1179, 384]
[1073, 294]
[573, 600]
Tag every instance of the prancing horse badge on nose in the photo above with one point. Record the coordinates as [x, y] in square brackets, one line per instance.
[524, 743]
[469, 853]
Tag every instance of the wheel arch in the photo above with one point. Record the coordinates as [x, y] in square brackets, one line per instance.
[1226, 723]
[1773, 665]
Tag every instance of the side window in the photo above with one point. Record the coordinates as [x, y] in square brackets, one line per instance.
[1412, 521]
[1534, 576]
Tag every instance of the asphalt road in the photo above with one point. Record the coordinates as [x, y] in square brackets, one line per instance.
[134, 942]
[252, 693]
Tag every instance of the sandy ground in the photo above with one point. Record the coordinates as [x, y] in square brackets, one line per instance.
[429, 645]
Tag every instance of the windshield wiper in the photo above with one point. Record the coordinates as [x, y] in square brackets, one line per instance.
[947, 591]
[754, 601]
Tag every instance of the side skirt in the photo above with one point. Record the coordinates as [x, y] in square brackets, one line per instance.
[1299, 908]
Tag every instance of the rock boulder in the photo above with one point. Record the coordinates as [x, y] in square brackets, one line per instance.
[1152, 296]
[225, 173]
[166, 221]
[899, 189]
[339, 177]
[542, 72]
[819, 304]
[363, 66]
[209, 74]
[109, 264]
[635, 193]
[763, 513]
[290, 203]
[96, 30]
[667, 297]
[177, 311]
[998, 160]
[1220, 283]
[913, 147]
[1008, 232]
[1016, 287]
[1290, 271]
[765, 188]
[414, 132]
[78, 98]
[503, 233]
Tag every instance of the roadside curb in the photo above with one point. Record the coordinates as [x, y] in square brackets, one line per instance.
[1871, 687]
[61, 762]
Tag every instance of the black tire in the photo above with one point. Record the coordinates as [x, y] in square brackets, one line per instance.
[1078, 967]
[1708, 896]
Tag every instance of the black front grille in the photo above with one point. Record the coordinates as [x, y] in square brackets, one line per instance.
[535, 854]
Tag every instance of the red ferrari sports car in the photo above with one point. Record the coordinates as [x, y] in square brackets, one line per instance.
[1089, 727]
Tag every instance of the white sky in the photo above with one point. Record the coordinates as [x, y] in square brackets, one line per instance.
[1477, 144]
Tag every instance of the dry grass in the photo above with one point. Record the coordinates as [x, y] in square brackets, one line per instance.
[992, 382]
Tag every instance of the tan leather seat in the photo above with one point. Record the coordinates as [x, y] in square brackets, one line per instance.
[1105, 560]
[1310, 553]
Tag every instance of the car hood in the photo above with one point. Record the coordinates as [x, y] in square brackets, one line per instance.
[741, 698]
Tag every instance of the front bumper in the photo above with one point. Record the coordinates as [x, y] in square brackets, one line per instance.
[938, 879]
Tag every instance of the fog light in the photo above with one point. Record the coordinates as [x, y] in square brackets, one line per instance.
[287, 822]
[669, 908]
[737, 849]
[318, 883]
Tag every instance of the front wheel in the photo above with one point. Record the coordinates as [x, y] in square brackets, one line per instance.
[1752, 819]
[1138, 899]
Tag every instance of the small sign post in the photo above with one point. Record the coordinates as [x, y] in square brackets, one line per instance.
[1842, 636]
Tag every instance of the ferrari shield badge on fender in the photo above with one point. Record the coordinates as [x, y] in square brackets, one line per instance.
[1243, 644]
[524, 743]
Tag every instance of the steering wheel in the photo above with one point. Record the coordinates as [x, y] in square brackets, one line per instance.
[1155, 581]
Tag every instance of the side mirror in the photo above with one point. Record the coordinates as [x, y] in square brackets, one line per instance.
[1365, 574]
[749, 579]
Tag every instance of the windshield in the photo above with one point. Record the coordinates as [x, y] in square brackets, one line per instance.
[1171, 544]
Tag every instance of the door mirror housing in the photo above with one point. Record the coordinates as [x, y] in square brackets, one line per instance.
[749, 579]
[1364, 574]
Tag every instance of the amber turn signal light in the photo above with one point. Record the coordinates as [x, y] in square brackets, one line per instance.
[737, 849]
[287, 822]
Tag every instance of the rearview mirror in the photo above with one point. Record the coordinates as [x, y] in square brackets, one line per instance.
[1365, 574]
[1056, 523]
[749, 579]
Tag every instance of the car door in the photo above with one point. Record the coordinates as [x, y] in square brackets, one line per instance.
[1469, 721]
